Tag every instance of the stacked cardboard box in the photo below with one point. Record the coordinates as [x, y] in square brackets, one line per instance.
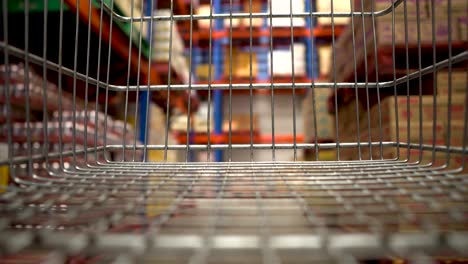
[344, 51]
[407, 119]
[324, 120]
[163, 43]
[458, 21]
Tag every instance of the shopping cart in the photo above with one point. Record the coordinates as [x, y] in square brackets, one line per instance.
[81, 188]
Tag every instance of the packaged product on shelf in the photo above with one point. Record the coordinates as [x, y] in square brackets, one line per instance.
[240, 63]
[338, 6]
[202, 71]
[256, 8]
[284, 7]
[282, 61]
[241, 122]
[324, 53]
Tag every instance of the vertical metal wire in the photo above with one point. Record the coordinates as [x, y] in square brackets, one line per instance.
[230, 84]
[449, 113]
[88, 45]
[434, 82]
[137, 97]
[26, 87]
[366, 78]
[75, 70]
[166, 131]
[395, 98]
[98, 75]
[148, 97]
[376, 62]
[60, 89]
[45, 148]
[465, 130]
[129, 65]
[418, 29]
[293, 79]
[6, 61]
[408, 123]
[189, 100]
[356, 93]
[250, 83]
[335, 89]
[106, 101]
[210, 60]
[312, 63]
[272, 97]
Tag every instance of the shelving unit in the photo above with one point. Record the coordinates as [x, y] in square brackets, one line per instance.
[260, 37]
[122, 52]
[412, 51]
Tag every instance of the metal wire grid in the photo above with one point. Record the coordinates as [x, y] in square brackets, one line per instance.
[323, 212]
[264, 210]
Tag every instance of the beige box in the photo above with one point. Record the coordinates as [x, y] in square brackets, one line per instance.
[458, 78]
[240, 63]
[256, 8]
[202, 71]
[338, 6]
[324, 120]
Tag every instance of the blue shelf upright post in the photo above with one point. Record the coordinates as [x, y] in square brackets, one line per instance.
[143, 95]
[312, 72]
[263, 50]
[218, 73]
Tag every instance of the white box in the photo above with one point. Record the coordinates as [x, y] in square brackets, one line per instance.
[282, 61]
[338, 6]
[283, 7]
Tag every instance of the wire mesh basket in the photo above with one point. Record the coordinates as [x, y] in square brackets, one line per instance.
[79, 185]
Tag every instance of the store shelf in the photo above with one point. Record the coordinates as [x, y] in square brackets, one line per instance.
[242, 33]
[120, 45]
[237, 137]
[386, 71]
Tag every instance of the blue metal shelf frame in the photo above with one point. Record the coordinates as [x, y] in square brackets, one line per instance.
[218, 48]
[218, 74]
[144, 95]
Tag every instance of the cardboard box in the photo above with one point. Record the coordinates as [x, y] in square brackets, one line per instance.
[240, 63]
[241, 122]
[325, 59]
[202, 71]
[324, 120]
[457, 134]
[256, 8]
[338, 6]
[458, 78]
[282, 61]
[284, 7]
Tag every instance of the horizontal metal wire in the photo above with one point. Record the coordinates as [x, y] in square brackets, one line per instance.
[240, 86]
[204, 147]
[336, 210]
[383, 12]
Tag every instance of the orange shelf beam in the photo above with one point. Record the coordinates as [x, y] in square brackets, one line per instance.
[238, 138]
[257, 32]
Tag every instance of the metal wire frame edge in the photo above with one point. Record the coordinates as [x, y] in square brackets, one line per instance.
[364, 244]
[248, 15]
[242, 86]
[437, 148]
